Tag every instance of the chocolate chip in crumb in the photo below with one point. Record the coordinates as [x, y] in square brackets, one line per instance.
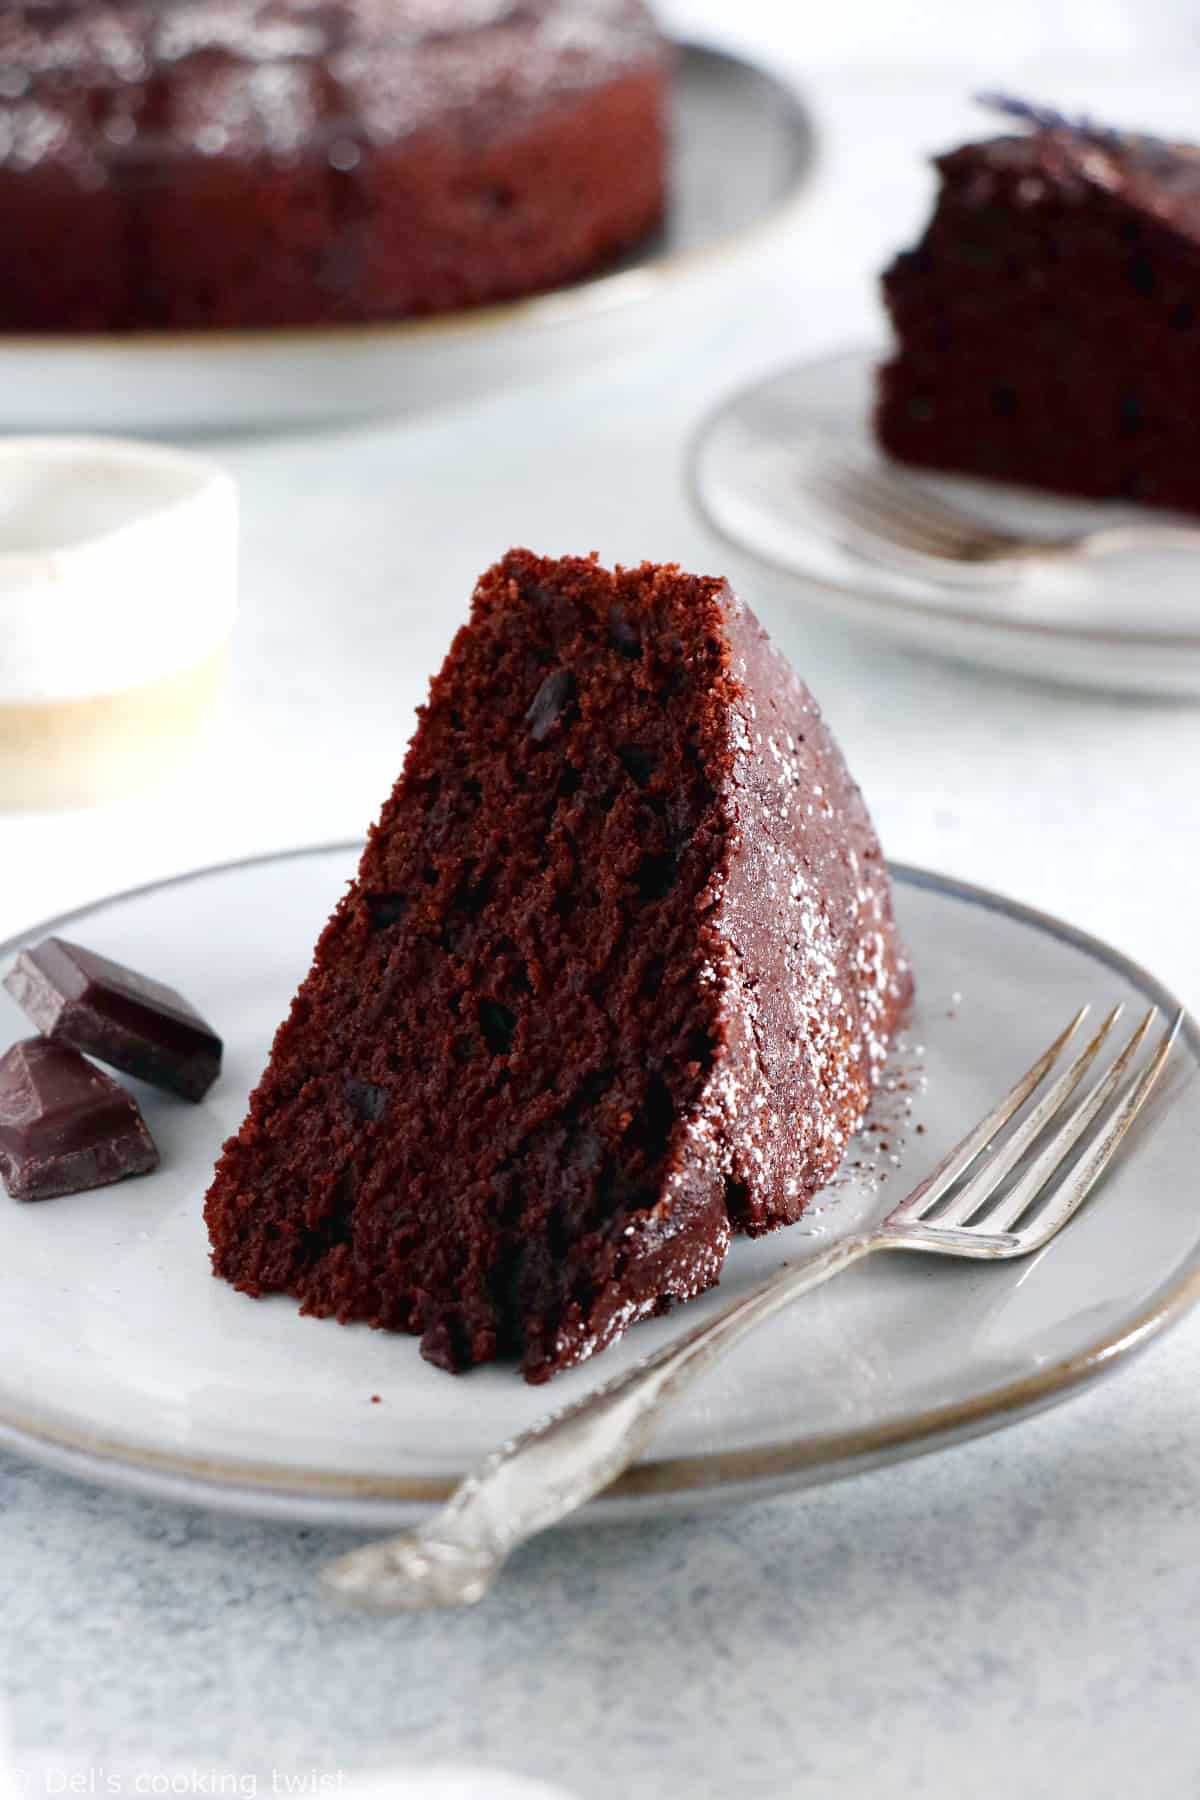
[549, 704]
[385, 909]
[622, 634]
[655, 876]
[637, 762]
[367, 1100]
[497, 1024]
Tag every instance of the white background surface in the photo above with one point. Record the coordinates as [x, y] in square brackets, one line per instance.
[1017, 1616]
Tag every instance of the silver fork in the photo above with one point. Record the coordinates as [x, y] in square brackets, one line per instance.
[881, 514]
[550, 1470]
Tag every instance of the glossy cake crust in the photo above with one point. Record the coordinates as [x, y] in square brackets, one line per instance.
[1048, 322]
[194, 163]
[615, 980]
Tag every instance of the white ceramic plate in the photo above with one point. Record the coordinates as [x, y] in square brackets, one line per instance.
[1128, 622]
[124, 1362]
[743, 150]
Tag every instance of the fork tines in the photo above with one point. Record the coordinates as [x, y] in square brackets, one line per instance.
[898, 515]
[1038, 1148]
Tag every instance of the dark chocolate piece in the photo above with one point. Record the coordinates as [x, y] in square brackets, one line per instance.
[139, 1026]
[547, 705]
[64, 1125]
[367, 1100]
[386, 909]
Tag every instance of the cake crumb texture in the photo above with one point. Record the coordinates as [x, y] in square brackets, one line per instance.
[615, 980]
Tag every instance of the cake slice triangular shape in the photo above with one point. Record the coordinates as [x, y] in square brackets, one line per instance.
[614, 981]
[1047, 322]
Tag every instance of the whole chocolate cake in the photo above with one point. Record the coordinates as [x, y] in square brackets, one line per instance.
[177, 163]
[615, 980]
[1048, 322]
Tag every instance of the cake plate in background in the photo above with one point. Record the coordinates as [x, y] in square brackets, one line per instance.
[743, 149]
[123, 1362]
[1127, 622]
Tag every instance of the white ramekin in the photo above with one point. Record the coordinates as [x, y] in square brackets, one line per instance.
[118, 589]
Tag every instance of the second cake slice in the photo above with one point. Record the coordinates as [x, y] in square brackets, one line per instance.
[1048, 321]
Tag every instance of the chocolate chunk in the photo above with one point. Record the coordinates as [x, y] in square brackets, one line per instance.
[444, 1342]
[655, 876]
[367, 1101]
[65, 1126]
[547, 705]
[385, 909]
[497, 1024]
[139, 1026]
[622, 635]
[638, 762]
[558, 609]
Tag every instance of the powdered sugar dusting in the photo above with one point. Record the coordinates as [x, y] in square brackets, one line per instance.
[876, 1153]
[808, 962]
[276, 75]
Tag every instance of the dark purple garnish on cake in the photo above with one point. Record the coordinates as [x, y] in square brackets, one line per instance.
[1047, 323]
[615, 981]
[125, 1019]
[1087, 130]
[64, 1126]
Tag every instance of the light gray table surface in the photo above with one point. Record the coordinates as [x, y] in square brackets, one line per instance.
[1014, 1616]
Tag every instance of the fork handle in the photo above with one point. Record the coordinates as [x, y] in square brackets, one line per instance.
[553, 1468]
[1103, 540]
[1106, 538]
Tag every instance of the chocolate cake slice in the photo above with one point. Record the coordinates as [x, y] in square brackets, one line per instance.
[614, 981]
[1048, 322]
